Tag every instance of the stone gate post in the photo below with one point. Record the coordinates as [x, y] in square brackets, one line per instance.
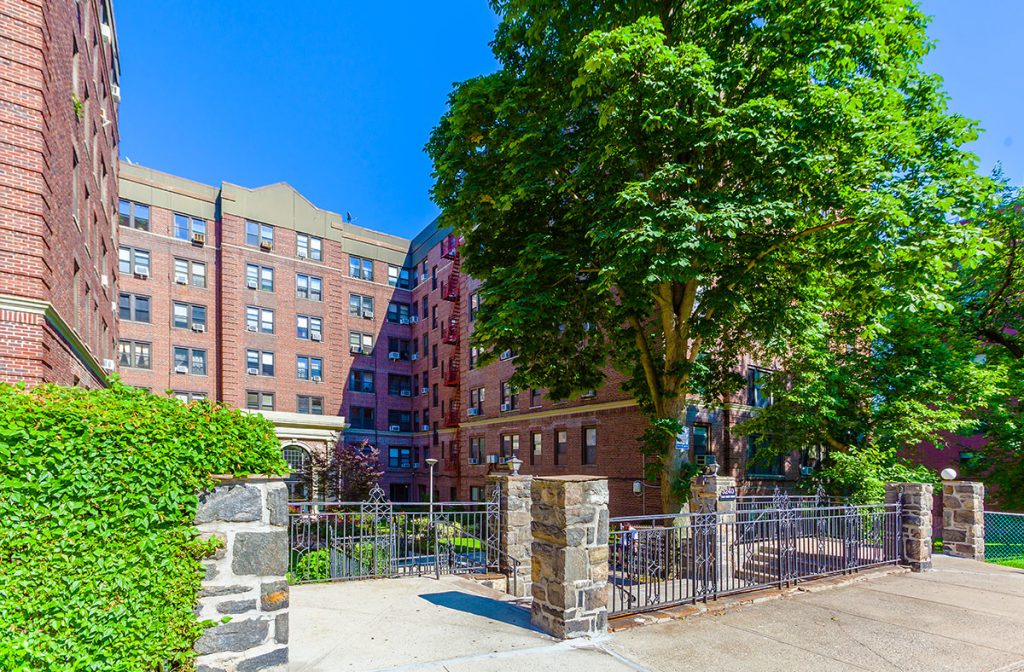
[515, 538]
[716, 494]
[963, 519]
[570, 555]
[916, 523]
[245, 579]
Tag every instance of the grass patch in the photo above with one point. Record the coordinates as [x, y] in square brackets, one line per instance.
[1009, 562]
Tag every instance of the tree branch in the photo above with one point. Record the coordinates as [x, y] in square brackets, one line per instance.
[647, 359]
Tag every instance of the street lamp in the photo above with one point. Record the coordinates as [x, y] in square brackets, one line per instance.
[431, 462]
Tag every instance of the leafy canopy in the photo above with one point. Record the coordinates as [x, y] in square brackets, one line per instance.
[666, 186]
[99, 556]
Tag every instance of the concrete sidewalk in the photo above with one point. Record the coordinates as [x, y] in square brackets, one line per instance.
[964, 616]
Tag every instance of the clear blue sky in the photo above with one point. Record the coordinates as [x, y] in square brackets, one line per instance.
[338, 98]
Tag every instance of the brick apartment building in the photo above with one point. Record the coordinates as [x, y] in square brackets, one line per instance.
[260, 299]
[58, 190]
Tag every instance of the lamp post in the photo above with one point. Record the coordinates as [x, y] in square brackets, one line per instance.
[431, 463]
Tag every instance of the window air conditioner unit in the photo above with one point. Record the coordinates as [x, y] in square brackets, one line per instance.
[142, 273]
[109, 365]
[394, 355]
[266, 245]
[355, 349]
[199, 328]
[425, 428]
[403, 320]
[406, 393]
[424, 390]
[106, 33]
[472, 411]
[253, 371]
[250, 327]
[302, 254]
[368, 315]
[505, 355]
[181, 279]
[199, 238]
[492, 459]
[806, 471]
[414, 356]
[181, 369]
[316, 336]
[316, 379]
[415, 465]
[115, 93]
[474, 460]
[413, 319]
[394, 428]
[252, 284]
[506, 407]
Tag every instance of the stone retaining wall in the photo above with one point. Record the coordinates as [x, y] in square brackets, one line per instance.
[245, 579]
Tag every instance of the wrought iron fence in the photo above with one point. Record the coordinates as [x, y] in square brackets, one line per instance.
[659, 561]
[335, 541]
[1004, 538]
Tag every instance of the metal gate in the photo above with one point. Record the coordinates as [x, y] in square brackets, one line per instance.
[337, 541]
[658, 561]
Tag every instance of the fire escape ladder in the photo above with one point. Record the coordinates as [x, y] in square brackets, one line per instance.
[450, 287]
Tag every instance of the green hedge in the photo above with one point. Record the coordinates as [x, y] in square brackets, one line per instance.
[99, 558]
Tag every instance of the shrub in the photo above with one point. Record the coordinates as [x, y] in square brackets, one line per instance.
[99, 558]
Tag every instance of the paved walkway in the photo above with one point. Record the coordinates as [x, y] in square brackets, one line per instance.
[964, 616]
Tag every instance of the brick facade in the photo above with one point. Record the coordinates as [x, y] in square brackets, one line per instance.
[58, 187]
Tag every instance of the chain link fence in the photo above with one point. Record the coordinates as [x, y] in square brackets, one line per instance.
[1004, 538]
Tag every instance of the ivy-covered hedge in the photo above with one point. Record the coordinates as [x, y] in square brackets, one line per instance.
[99, 558]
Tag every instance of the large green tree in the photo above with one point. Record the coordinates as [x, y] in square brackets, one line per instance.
[665, 186]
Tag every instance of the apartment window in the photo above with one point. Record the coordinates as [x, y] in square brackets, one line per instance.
[308, 328]
[400, 457]
[476, 399]
[756, 395]
[474, 355]
[133, 307]
[259, 319]
[360, 268]
[188, 397]
[589, 445]
[259, 401]
[474, 305]
[433, 356]
[193, 359]
[433, 317]
[535, 397]
[405, 280]
[309, 287]
[309, 368]
[360, 305]
[133, 215]
[259, 363]
[476, 493]
[259, 277]
[400, 419]
[134, 354]
[310, 405]
[399, 386]
[309, 247]
[360, 381]
[433, 277]
[699, 439]
[434, 396]
[393, 272]
[425, 345]
[186, 228]
[561, 446]
[362, 417]
[398, 312]
[476, 449]
[259, 235]
[509, 397]
[188, 272]
[189, 316]
[424, 312]
[762, 459]
[400, 346]
[509, 446]
[536, 443]
[360, 343]
[132, 261]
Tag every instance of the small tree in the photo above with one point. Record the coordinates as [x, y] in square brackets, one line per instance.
[346, 472]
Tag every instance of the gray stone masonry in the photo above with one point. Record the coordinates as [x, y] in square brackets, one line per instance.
[916, 524]
[570, 555]
[717, 494]
[515, 538]
[963, 519]
[245, 578]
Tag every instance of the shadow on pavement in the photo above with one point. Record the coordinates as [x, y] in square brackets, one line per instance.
[496, 610]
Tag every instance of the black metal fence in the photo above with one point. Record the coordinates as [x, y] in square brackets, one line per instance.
[336, 541]
[659, 561]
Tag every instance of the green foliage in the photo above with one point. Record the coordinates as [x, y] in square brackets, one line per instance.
[77, 105]
[861, 474]
[311, 566]
[99, 557]
[670, 187]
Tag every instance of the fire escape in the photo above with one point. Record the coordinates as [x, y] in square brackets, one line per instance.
[450, 335]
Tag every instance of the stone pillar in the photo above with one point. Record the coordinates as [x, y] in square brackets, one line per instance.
[515, 538]
[916, 523]
[963, 519]
[716, 494]
[570, 555]
[245, 578]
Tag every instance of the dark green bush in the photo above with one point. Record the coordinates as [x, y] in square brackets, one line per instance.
[99, 558]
